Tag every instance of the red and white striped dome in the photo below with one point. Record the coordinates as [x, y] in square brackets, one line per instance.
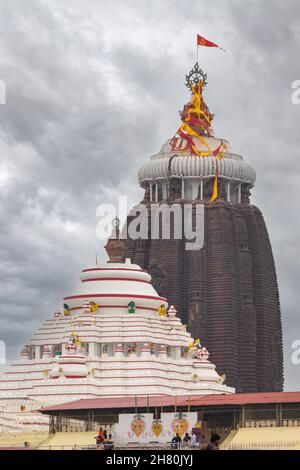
[113, 286]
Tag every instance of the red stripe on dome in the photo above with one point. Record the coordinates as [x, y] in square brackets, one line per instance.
[115, 306]
[129, 296]
[114, 279]
[114, 269]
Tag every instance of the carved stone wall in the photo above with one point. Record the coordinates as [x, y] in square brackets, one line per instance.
[226, 293]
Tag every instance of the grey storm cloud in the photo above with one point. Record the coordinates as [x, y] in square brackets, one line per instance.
[92, 89]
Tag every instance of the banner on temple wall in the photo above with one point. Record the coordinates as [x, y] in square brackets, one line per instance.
[144, 428]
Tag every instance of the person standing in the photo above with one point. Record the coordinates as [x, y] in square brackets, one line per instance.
[214, 443]
[194, 442]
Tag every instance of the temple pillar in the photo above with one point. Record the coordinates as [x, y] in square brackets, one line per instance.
[151, 191]
[201, 189]
[92, 349]
[195, 188]
[164, 190]
[38, 352]
[239, 194]
[228, 192]
[177, 352]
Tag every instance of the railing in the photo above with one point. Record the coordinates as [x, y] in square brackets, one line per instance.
[129, 446]
[269, 423]
[262, 446]
[65, 447]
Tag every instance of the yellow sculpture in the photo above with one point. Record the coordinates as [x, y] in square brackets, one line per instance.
[222, 378]
[93, 307]
[196, 123]
[198, 106]
[162, 311]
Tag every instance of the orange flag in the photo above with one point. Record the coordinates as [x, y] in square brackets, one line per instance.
[201, 41]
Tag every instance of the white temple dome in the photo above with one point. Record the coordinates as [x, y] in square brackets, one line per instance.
[114, 285]
[169, 163]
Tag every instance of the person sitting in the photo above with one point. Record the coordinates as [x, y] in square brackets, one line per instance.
[108, 443]
[176, 441]
[99, 439]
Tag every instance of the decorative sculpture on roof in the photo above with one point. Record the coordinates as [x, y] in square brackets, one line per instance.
[115, 246]
[93, 307]
[162, 311]
[222, 378]
[67, 310]
[131, 307]
[194, 348]
[195, 130]
[195, 116]
[73, 344]
[195, 76]
[203, 354]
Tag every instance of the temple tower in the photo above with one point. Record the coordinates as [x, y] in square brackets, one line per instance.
[226, 291]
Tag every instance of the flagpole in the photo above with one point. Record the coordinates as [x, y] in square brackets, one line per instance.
[197, 52]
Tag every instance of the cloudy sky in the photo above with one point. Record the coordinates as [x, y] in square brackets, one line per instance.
[92, 89]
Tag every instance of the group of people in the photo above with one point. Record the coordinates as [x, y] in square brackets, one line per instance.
[104, 442]
[191, 441]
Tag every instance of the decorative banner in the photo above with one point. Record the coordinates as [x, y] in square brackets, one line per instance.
[180, 424]
[144, 428]
[157, 427]
[138, 425]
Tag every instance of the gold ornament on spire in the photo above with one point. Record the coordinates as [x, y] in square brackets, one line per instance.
[195, 116]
